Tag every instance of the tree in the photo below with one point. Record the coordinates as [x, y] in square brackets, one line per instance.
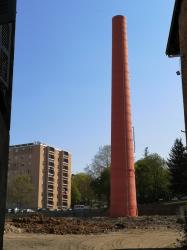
[99, 170]
[81, 187]
[100, 161]
[75, 193]
[152, 178]
[177, 164]
[20, 191]
[101, 186]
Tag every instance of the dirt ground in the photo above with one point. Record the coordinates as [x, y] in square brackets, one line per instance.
[40, 232]
[39, 223]
[125, 239]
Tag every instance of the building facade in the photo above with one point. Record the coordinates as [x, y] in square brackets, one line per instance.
[7, 37]
[49, 169]
[177, 45]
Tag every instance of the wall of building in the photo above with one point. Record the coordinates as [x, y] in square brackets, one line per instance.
[50, 172]
[183, 52]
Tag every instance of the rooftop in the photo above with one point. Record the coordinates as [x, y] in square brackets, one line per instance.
[173, 48]
[33, 144]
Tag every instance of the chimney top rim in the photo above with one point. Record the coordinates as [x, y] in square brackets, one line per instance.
[119, 16]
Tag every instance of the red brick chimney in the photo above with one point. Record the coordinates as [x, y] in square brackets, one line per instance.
[123, 188]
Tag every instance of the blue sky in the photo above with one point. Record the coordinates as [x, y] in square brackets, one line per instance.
[62, 75]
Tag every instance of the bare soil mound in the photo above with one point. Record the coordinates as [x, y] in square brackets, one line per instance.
[39, 223]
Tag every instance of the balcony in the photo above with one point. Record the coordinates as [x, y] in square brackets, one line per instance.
[65, 153]
[50, 186]
[50, 197]
[65, 157]
[65, 170]
[65, 164]
[51, 157]
[65, 175]
[50, 179]
[65, 160]
[64, 204]
[65, 182]
[51, 149]
[50, 175]
[51, 170]
[65, 197]
[51, 163]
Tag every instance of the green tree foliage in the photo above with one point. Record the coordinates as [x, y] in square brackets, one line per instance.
[101, 186]
[75, 193]
[177, 164]
[20, 192]
[152, 178]
[81, 189]
[100, 161]
[99, 170]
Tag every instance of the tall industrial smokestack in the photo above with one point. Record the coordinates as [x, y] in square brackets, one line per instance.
[123, 188]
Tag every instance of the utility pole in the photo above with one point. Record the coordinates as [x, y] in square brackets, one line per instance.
[7, 35]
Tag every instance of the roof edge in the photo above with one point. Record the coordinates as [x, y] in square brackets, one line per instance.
[174, 51]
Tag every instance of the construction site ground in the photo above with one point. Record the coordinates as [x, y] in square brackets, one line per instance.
[41, 232]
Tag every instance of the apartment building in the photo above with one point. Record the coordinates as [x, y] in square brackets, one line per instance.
[49, 169]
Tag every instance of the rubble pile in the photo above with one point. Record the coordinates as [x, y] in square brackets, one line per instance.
[52, 225]
[39, 223]
[12, 229]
